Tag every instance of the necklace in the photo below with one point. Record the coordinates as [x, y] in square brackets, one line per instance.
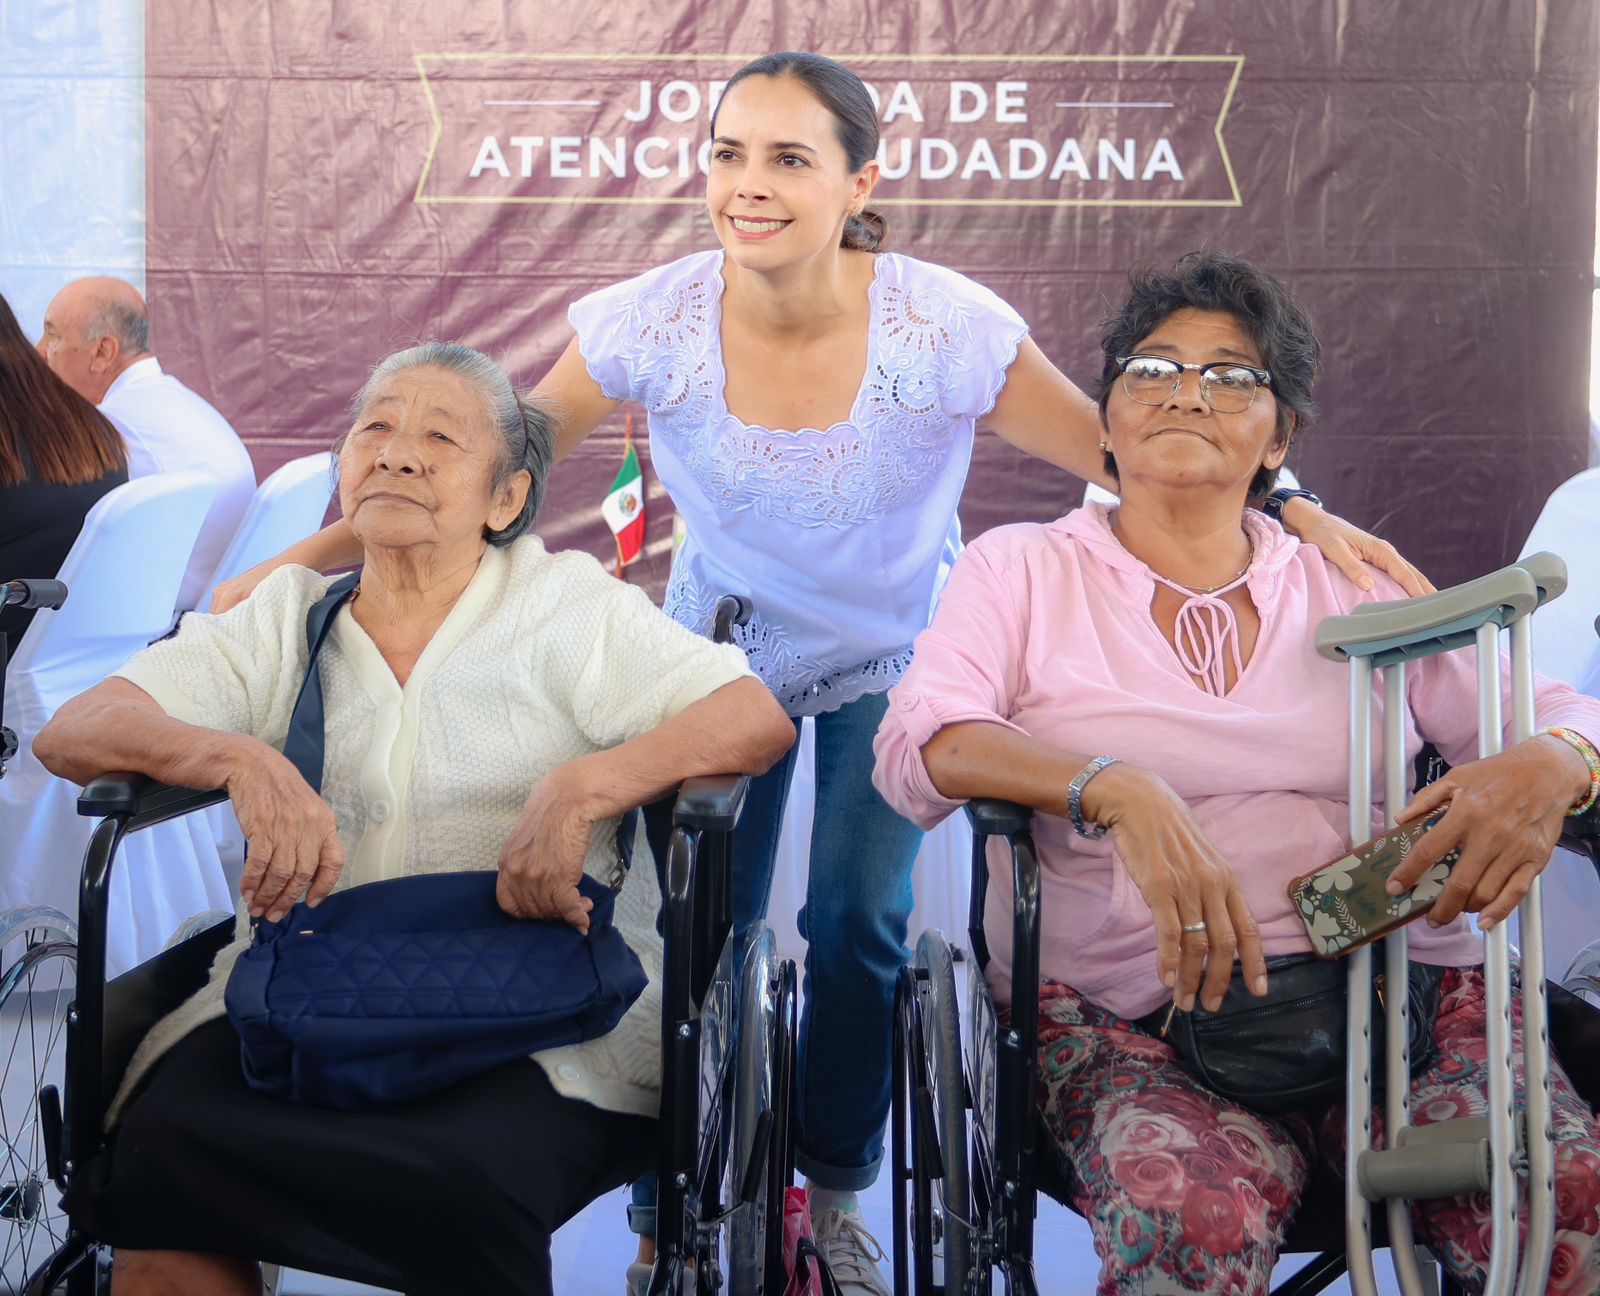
[1212, 589]
[1195, 589]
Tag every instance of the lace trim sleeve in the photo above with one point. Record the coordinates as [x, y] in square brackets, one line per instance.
[981, 331]
[594, 321]
[632, 331]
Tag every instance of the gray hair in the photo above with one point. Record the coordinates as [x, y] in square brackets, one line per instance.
[526, 429]
[128, 324]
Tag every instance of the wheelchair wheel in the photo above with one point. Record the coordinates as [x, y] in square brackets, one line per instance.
[930, 1131]
[38, 970]
[760, 1167]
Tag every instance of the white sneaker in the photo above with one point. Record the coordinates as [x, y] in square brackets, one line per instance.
[851, 1253]
[638, 1279]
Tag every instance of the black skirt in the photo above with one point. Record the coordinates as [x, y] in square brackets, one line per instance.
[458, 1191]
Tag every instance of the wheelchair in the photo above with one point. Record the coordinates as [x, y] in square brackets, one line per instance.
[728, 1037]
[38, 966]
[725, 1093]
[38, 969]
[729, 1032]
[970, 1154]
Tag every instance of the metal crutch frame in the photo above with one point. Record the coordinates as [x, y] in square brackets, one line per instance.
[1463, 1155]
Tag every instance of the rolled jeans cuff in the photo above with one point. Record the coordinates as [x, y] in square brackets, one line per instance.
[838, 1178]
[642, 1206]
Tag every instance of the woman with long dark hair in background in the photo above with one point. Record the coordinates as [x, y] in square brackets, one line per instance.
[58, 455]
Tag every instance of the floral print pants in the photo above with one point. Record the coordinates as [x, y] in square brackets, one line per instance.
[1186, 1192]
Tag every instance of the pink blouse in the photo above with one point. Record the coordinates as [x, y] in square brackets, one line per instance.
[1047, 629]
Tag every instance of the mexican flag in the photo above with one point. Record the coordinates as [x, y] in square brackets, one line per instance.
[623, 508]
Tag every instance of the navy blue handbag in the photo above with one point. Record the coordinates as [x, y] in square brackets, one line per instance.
[394, 989]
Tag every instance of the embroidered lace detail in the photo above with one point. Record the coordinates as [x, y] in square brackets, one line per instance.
[802, 685]
[672, 345]
[832, 691]
[896, 443]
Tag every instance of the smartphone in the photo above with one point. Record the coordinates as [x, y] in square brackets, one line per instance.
[1344, 905]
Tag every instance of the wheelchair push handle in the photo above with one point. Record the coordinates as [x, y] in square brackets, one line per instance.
[32, 594]
[1407, 629]
[732, 610]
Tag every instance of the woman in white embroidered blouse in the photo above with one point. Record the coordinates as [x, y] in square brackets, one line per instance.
[488, 705]
[811, 404]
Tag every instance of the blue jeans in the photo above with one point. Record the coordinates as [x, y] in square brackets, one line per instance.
[854, 921]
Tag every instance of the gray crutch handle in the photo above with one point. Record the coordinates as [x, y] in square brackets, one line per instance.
[1407, 629]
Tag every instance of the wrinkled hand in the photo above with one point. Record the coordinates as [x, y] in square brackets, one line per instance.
[1351, 549]
[542, 860]
[1505, 814]
[294, 847]
[1184, 881]
[233, 592]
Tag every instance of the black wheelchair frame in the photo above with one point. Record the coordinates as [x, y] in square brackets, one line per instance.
[988, 1171]
[727, 1156]
[106, 1021]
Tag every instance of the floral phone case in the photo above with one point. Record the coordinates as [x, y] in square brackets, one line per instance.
[1344, 904]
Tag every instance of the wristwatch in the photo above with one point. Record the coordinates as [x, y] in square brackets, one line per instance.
[1272, 506]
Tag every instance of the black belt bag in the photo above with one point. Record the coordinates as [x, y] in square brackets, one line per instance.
[1287, 1051]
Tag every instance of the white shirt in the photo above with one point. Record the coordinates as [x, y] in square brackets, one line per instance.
[169, 428]
[835, 534]
[544, 658]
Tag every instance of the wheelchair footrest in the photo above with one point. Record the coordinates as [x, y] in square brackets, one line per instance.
[1446, 1159]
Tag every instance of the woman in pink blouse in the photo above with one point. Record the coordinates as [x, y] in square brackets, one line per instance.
[1174, 632]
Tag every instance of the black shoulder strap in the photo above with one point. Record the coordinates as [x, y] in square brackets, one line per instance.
[304, 742]
[303, 745]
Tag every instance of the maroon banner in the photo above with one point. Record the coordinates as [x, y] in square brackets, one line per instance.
[326, 183]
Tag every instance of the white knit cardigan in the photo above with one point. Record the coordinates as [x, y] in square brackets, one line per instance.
[544, 658]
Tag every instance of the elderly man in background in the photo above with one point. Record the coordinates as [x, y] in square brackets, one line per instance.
[97, 340]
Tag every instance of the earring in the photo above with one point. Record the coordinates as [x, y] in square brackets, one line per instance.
[1103, 447]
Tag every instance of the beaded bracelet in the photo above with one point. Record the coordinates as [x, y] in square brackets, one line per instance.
[1075, 797]
[1591, 758]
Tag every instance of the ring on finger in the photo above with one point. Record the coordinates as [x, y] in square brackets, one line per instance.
[1189, 929]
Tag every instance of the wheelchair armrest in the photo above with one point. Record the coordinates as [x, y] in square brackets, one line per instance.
[144, 800]
[1582, 834]
[995, 818]
[711, 802]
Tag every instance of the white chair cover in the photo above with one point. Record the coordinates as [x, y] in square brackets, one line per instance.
[286, 508]
[1566, 647]
[122, 577]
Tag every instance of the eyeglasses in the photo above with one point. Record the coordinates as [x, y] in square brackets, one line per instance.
[1225, 385]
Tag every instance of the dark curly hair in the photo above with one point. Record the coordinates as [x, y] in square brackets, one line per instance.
[1265, 309]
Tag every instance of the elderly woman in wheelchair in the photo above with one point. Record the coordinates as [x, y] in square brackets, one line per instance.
[1143, 676]
[487, 705]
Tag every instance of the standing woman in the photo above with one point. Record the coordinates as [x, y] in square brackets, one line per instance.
[811, 404]
[58, 455]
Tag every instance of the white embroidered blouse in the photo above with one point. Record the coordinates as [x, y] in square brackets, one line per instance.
[835, 534]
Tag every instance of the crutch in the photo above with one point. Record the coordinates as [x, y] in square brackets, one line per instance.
[1464, 1155]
